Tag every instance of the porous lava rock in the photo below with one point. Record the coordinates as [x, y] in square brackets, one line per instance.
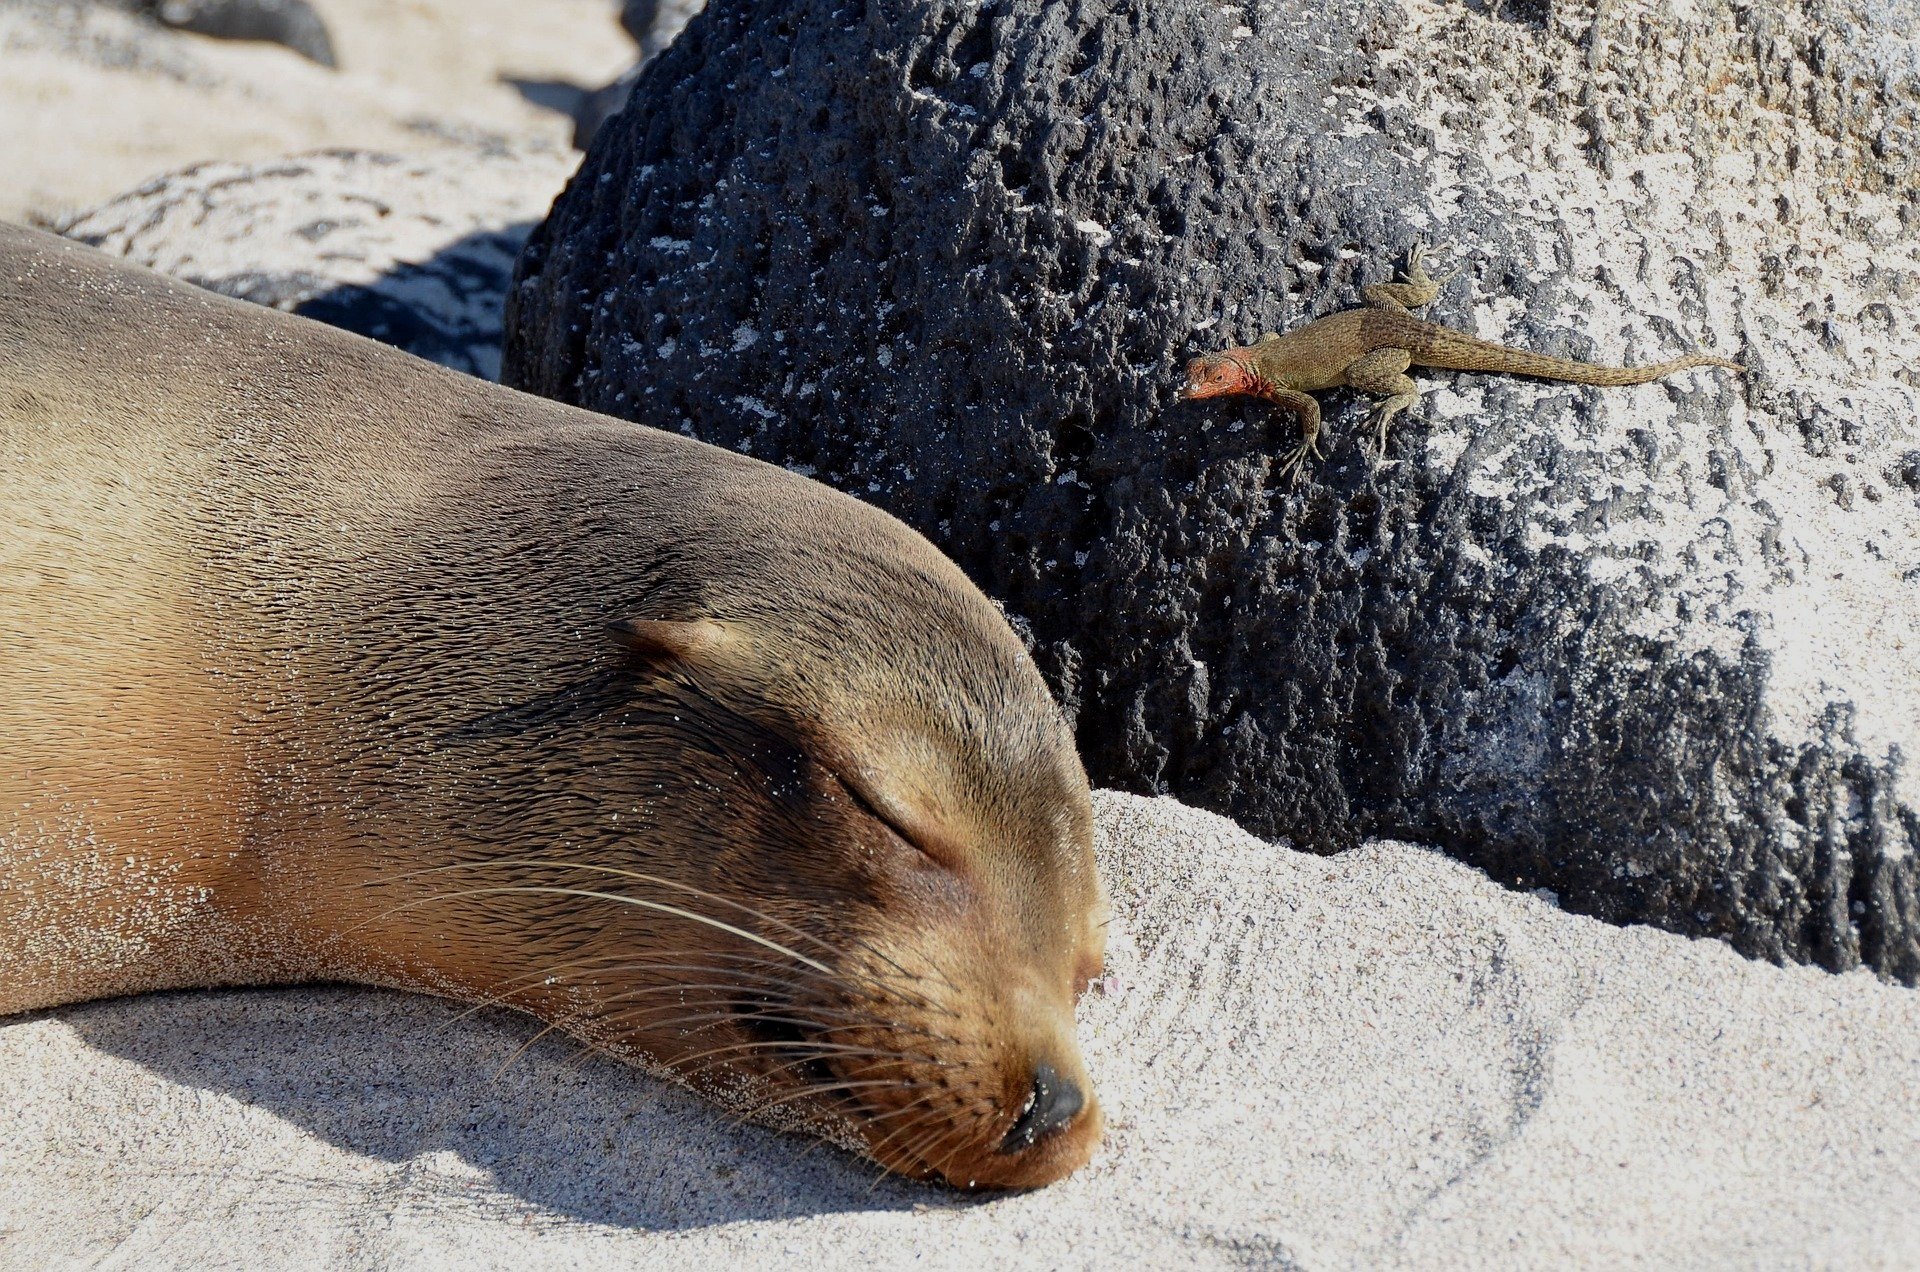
[1654, 649]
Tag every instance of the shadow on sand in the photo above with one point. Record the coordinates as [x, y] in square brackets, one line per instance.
[398, 1077]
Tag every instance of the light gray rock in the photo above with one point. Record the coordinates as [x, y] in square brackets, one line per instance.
[293, 24]
[1653, 649]
[415, 252]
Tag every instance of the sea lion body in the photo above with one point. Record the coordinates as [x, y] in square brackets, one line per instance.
[305, 676]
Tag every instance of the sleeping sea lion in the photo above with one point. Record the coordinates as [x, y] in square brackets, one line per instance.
[323, 662]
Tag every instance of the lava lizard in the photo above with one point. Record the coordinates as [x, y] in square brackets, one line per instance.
[1370, 349]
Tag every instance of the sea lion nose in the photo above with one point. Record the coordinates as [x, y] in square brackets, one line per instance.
[1051, 1107]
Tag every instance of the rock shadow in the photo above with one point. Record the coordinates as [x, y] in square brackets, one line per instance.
[448, 308]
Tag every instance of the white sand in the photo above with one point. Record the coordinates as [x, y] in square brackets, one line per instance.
[93, 102]
[1380, 1059]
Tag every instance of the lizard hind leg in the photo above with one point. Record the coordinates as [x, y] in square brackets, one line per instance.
[1383, 374]
[1416, 289]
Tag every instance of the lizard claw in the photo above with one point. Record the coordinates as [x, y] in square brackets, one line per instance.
[1416, 271]
[1379, 421]
[1296, 460]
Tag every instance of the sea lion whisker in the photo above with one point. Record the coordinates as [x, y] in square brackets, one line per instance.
[499, 995]
[713, 1059]
[786, 1048]
[787, 979]
[499, 999]
[624, 874]
[817, 1022]
[523, 1049]
[780, 975]
[923, 1151]
[911, 1153]
[941, 1165]
[591, 1047]
[814, 1092]
[939, 1135]
[741, 985]
[584, 1013]
[562, 1022]
[839, 1088]
[852, 1012]
[937, 970]
[848, 1051]
[918, 1106]
[816, 1025]
[589, 894]
[683, 987]
[714, 1017]
[869, 948]
[557, 971]
[924, 1108]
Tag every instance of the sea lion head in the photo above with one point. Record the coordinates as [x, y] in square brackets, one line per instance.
[812, 837]
[924, 862]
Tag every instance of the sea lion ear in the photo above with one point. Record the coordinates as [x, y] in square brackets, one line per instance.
[658, 640]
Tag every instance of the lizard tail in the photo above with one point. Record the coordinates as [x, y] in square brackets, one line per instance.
[1450, 350]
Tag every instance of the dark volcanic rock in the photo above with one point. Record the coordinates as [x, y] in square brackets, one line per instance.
[1656, 649]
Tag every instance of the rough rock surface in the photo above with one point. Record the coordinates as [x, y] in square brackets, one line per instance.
[1652, 648]
[416, 252]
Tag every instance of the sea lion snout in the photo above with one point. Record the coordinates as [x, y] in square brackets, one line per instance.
[1006, 1101]
[1051, 1107]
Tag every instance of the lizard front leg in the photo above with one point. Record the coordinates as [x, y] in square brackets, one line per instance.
[1382, 373]
[1416, 291]
[1309, 412]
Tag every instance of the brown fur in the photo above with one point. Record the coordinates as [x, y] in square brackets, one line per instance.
[305, 677]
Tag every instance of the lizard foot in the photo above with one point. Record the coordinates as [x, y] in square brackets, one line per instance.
[1384, 413]
[1413, 291]
[1417, 276]
[1296, 459]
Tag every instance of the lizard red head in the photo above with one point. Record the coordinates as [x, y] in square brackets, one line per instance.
[1217, 375]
